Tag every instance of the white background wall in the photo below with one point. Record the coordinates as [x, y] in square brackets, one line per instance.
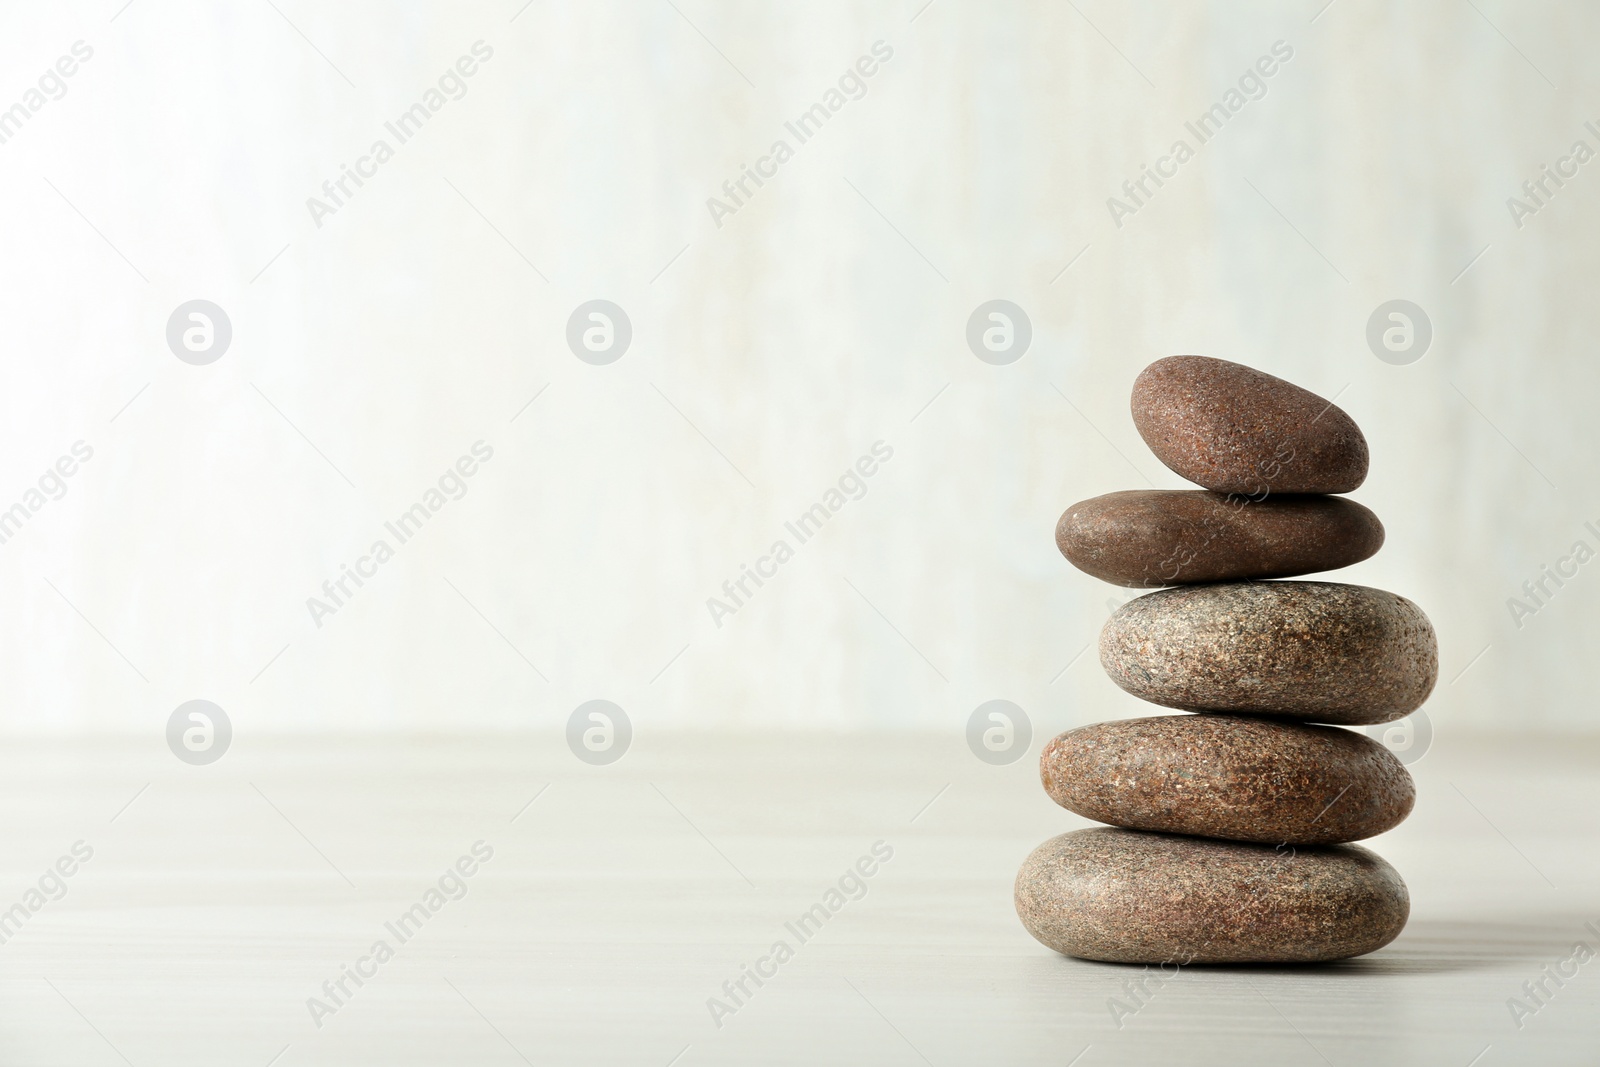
[819, 319]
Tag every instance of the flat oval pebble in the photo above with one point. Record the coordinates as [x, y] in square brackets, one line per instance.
[1234, 429]
[1229, 776]
[1127, 896]
[1314, 651]
[1155, 537]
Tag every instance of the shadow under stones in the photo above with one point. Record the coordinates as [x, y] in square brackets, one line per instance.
[1433, 946]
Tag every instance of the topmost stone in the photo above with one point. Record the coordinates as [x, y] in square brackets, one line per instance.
[1233, 429]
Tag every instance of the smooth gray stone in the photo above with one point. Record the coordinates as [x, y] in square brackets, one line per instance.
[1239, 777]
[1313, 651]
[1235, 429]
[1127, 896]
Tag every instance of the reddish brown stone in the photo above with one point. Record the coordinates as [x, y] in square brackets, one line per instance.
[1237, 430]
[1155, 537]
[1127, 896]
[1229, 776]
[1315, 651]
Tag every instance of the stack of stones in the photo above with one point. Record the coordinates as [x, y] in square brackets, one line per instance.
[1229, 829]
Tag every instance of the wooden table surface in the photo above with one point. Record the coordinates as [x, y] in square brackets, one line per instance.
[618, 900]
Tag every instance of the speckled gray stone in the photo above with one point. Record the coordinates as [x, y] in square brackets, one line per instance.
[1313, 651]
[1230, 776]
[1235, 429]
[1129, 896]
[1155, 537]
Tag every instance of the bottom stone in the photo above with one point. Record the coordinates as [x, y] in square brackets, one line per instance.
[1132, 896]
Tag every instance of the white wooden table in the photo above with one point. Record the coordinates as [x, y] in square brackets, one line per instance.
[615, 905]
